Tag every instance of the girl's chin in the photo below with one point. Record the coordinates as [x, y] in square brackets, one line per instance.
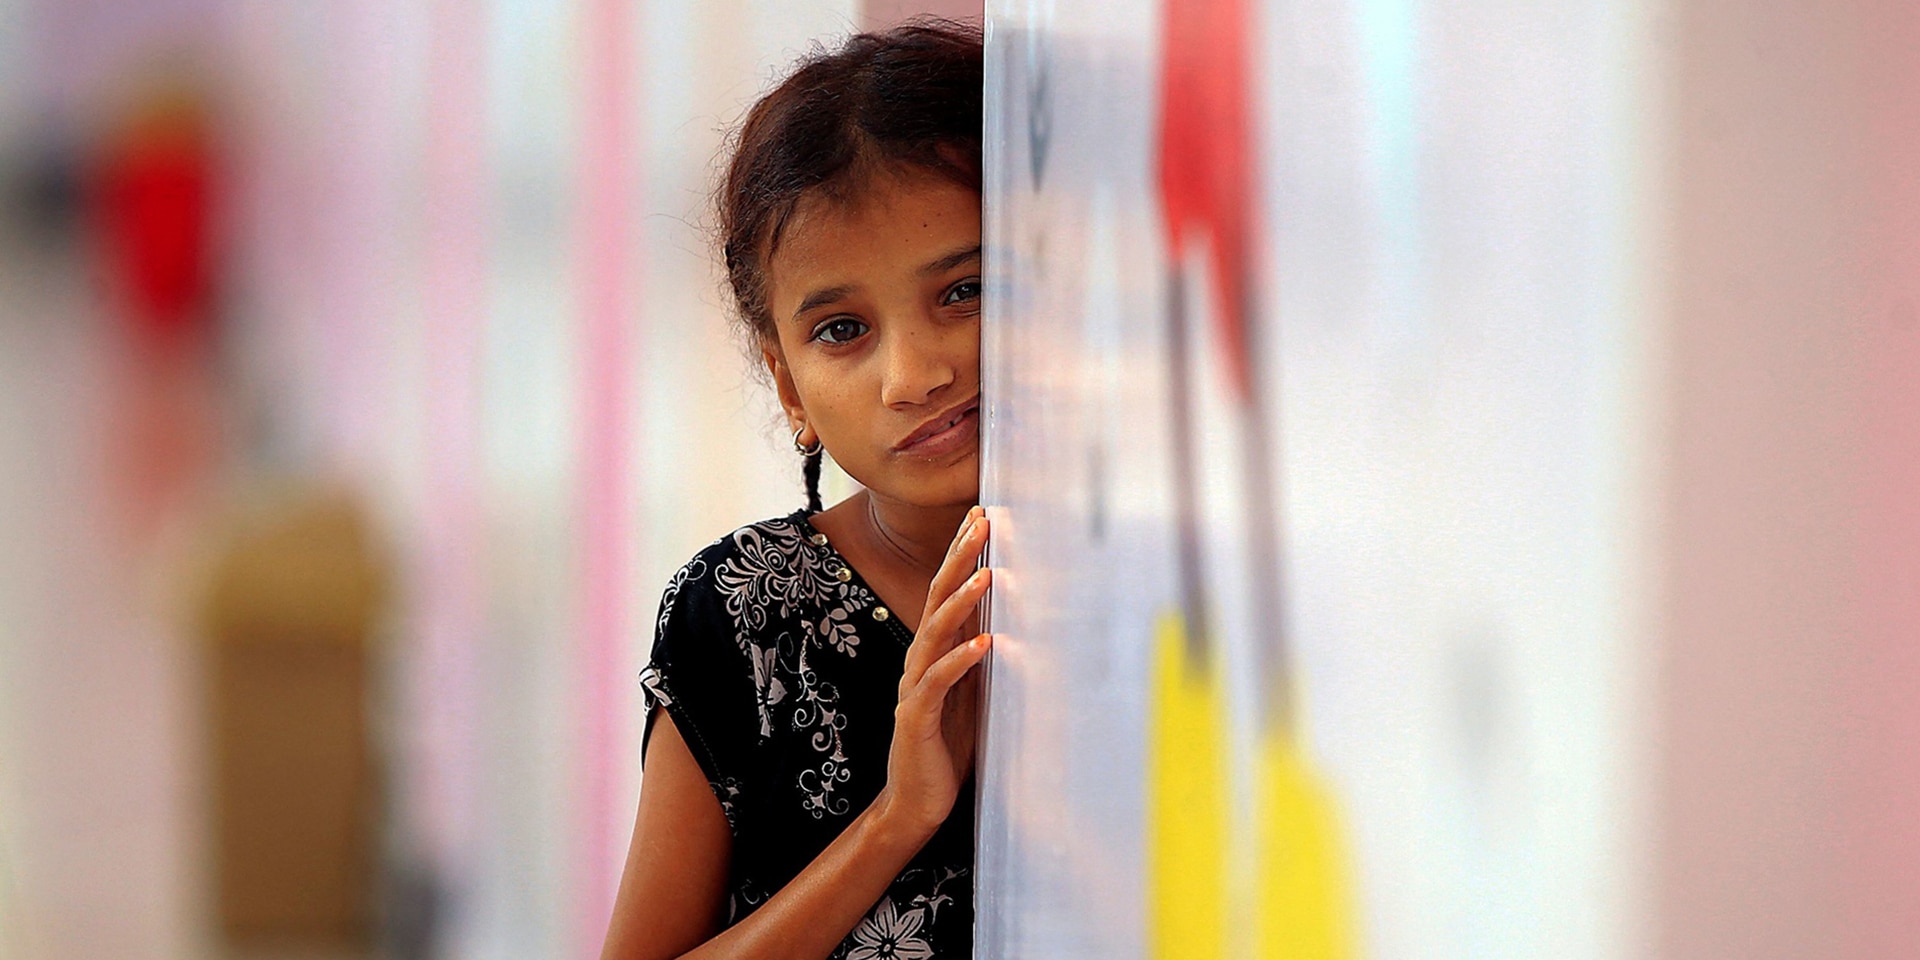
[955, 484]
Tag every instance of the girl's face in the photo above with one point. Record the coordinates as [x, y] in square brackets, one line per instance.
[876, 312]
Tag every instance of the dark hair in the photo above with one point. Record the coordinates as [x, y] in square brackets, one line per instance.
[909, 96]
[906, 96]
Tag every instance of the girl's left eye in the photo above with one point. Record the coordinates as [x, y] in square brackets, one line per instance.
[839, 330]
[962, 292]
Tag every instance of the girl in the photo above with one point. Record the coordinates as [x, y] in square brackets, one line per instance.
[811, 705]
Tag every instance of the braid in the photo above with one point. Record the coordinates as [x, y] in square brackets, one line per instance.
[810, 469]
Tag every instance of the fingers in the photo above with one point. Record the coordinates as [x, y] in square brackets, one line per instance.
[946, 671]
[937, 628]
[956, 575]
[961, 558]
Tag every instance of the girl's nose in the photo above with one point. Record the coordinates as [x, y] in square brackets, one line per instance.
[919, 363]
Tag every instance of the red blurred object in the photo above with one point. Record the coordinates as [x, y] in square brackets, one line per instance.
[1206, 160]
[153, 191]
[155, 198]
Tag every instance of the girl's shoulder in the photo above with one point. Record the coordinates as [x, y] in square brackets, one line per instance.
[718, 604]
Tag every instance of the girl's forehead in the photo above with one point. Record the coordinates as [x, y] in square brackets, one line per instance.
[885, 199]
[891, 214]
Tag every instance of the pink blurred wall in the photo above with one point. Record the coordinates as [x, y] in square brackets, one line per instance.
[1882, 796]
[1787, 819]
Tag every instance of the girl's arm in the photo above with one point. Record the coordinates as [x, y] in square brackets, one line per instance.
[674, 887]
[673, 893]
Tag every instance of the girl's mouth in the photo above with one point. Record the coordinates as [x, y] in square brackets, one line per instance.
[944, 434]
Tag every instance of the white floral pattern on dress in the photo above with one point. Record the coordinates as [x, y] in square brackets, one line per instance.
[934, 899]
[694, 569]
[759, 579]
[819, 711]
[775, 570]
[836, 628]
[653, 692]
[889, 933]
[768, 690]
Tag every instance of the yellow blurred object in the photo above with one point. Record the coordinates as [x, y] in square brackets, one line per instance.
[1303, 901]
[1187, 803]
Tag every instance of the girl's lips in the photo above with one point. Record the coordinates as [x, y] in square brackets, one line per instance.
[963, 432]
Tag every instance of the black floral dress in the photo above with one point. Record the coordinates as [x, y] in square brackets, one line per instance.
[781, 670]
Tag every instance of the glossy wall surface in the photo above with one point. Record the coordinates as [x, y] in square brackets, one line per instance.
[1439, 328]
[1558, 346]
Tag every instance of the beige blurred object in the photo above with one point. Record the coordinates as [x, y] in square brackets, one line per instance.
[875, 14]
[295, 593]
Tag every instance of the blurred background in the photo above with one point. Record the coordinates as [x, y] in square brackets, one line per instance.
[363, 376]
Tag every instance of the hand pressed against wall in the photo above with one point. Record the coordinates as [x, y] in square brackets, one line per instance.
[935, 723]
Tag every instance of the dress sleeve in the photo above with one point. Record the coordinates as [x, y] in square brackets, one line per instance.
[699, 674]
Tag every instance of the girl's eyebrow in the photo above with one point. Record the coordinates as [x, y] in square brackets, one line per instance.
[951, 260]
[820, 298]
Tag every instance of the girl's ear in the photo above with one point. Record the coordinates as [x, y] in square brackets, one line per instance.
[783, 385]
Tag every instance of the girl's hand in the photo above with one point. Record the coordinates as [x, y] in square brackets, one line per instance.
[934, 724]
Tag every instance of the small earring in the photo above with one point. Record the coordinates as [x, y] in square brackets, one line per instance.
[805, 451]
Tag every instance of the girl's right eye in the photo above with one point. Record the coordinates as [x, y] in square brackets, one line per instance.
[839, 330]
